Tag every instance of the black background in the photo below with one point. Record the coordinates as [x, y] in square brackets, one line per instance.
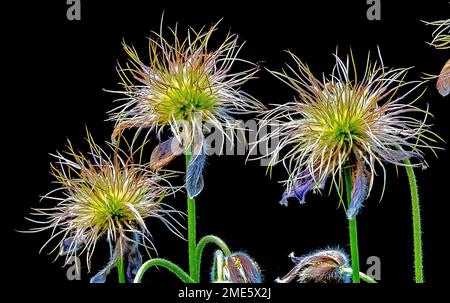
[54, 73]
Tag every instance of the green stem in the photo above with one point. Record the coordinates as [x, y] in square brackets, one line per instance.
[201, 246]
[172, 267]
[192, 234]
[121, 270]
[417, 229]
[363, 276]
[352, 228]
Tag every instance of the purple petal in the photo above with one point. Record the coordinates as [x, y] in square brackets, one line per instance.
[70, 245]
[194, 174]
[134, 259]
[294, 258]
[250, 269]
[164, 153]
[400, 155]
[359, 191]
[100, 277]
[301, 187]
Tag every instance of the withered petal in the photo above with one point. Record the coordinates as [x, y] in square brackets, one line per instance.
[443, 82]
[164, 153]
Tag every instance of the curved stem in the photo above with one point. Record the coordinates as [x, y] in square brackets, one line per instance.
[363, 276]
[417, 228]
[201, 246]
[352, 228]
[172, 267]
[192, 234]
[121, 270]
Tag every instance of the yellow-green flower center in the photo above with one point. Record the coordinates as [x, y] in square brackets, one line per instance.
[341, 124]
[109, 199]
[347, 132]
[189, 93]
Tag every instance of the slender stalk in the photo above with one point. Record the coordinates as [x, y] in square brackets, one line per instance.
[121, 270]
[417, 228]
[172, 267]
[201, 246]
[352, 228]
[363, 276]
[192, 233]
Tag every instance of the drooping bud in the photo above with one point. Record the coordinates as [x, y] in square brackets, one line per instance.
[319, 267]
[235, 268]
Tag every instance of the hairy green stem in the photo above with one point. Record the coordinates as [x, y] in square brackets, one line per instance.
[201, 246]
[363, 276]
[121, 270]
[352, 228]
[417, 228]
[172, 267]
[192, 233]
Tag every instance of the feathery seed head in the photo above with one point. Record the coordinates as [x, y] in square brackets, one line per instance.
[183, 79]
[441, 40]
[441, 35]
[103, 196]
[344, 121]
[186, 83]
